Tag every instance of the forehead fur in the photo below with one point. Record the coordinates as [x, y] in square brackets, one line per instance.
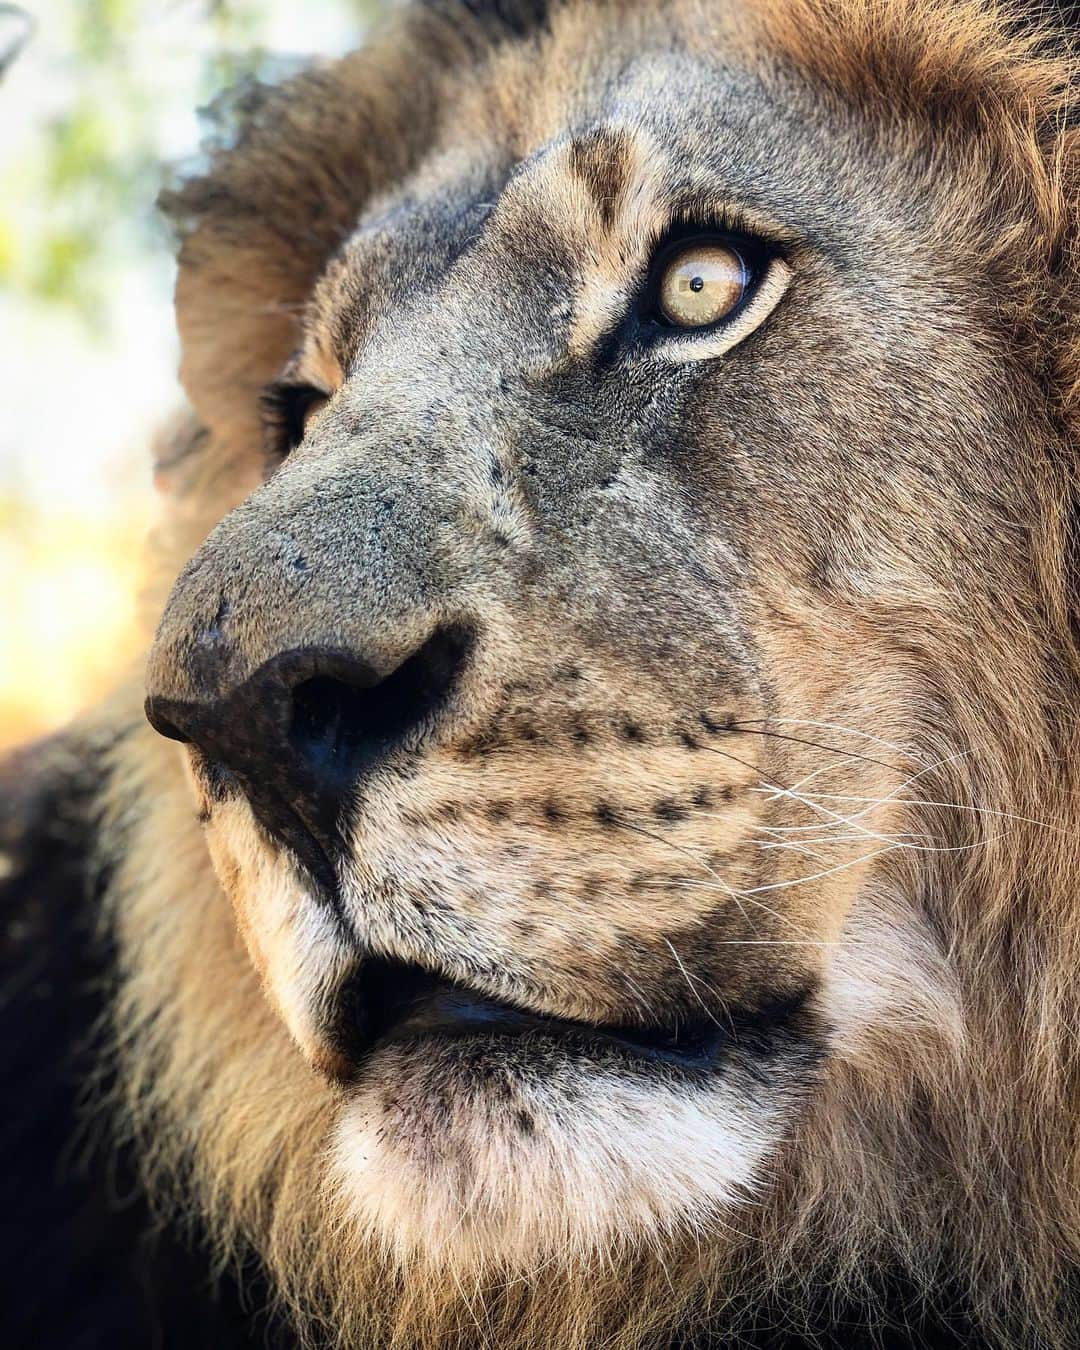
[959, 82]
[983, 88]
[953, 59]
[969, 79]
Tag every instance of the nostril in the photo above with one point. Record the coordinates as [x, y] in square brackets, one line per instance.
[162, 725]
[341, 726]
[325, 719]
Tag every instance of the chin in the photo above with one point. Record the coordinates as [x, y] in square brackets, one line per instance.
[515, 1151]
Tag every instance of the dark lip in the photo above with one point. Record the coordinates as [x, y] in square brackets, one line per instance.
[390, 1003]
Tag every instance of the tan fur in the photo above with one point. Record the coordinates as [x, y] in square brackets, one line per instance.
[946, 1118]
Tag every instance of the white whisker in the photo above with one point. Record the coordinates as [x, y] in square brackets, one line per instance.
[797, 881]
[810, 799]
[690, 984]
[923, 801]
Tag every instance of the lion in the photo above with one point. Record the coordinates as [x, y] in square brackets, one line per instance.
[599, 863]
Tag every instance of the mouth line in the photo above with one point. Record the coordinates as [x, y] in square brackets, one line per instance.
[390, 1003]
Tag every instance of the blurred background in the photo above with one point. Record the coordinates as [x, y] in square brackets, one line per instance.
[99, 105]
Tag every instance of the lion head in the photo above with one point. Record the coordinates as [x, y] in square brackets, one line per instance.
[628, 689]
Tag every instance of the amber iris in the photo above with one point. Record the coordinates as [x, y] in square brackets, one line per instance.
[702, 284]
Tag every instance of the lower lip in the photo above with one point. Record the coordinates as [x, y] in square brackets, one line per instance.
[395, 1004]
[454, 1017]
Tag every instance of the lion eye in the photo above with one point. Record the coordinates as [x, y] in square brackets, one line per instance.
[701, 284]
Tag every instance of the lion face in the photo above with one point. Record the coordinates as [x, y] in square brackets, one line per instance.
[574, 694]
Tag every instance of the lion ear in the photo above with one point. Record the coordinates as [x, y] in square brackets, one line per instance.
[288, 170]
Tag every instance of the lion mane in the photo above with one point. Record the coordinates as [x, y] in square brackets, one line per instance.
[929, 1190]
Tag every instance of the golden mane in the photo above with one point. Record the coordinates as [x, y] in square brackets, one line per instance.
[997, 92]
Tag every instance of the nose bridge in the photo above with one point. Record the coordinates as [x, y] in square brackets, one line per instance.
[447, 351]
[325, 554]
[342, 614]
[321, 628]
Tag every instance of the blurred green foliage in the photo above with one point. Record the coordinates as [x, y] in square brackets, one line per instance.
[77, 193]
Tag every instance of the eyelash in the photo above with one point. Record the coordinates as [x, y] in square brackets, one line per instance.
[283, 406]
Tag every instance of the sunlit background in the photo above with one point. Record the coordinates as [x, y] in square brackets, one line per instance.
[98, 102]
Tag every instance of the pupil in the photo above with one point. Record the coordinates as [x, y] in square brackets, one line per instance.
[697, 284]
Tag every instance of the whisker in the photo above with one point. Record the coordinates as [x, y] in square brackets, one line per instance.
[776, 789]
[695, 858]
[812, 802]
[797, 881]
[829, 726]
[646, 1006]
[817, 773]
[780, 833]
[690, 985]
[721, 885]
[922, 801]
[898, 843]
[817, 876]
[811, 798]
[744, 730]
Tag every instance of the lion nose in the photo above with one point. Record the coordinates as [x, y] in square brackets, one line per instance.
[302, 731]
